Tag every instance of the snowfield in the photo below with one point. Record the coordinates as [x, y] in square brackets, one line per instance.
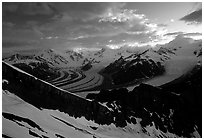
[29, 121]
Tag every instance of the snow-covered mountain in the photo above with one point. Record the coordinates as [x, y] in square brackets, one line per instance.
[164, 108]
[178, 48]
[175, 58]
[69, 58]
[52, 57]
[18, 58]
[119, 66]
[47, 111]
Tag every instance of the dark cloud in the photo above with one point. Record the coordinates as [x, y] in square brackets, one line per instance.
[68, 24]
[61, 19]
[162, 25]
[56, 10]
[183, 33]
[8, 24]
[16, 44]
[29, 8]
[13, 37]
[9, 7]
[21, 13]
[194, 17]
[20, 34]
[80, 10]
[192, 34]
[173, 33]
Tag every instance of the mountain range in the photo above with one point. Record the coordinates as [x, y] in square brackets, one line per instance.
[127, 92]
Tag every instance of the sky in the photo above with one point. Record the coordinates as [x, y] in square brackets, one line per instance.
[33, 26]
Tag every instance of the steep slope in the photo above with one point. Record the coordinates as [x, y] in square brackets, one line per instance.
[21, 119]
[168, 61]
[188, 54]
[136, 66]
[34, 108]
[175, 107]
[52, 57]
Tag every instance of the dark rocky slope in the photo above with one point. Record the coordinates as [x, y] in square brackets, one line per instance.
[39, 70]
[175, 107]
[135, 67]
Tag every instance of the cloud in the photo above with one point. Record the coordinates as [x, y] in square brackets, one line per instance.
[15, 37]
[20, 34]
[122, 27]
[79, 11]
[30, 8]
[183, 33]
[162, 25]
[80, 24]
[55, 10]
[8, 24]
[196, 6]
[50, 37]
[17, 43]
[60, 19]
[172, 20]
[9, 7]
[194, 36]
[121, 16]
[173, 33]
[194, 17]
[131, 21]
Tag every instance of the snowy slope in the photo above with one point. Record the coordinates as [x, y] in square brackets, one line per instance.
[53, 124]
[53, 57]
[188, 54]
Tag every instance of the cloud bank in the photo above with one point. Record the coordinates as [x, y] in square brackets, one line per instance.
[80, 25]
